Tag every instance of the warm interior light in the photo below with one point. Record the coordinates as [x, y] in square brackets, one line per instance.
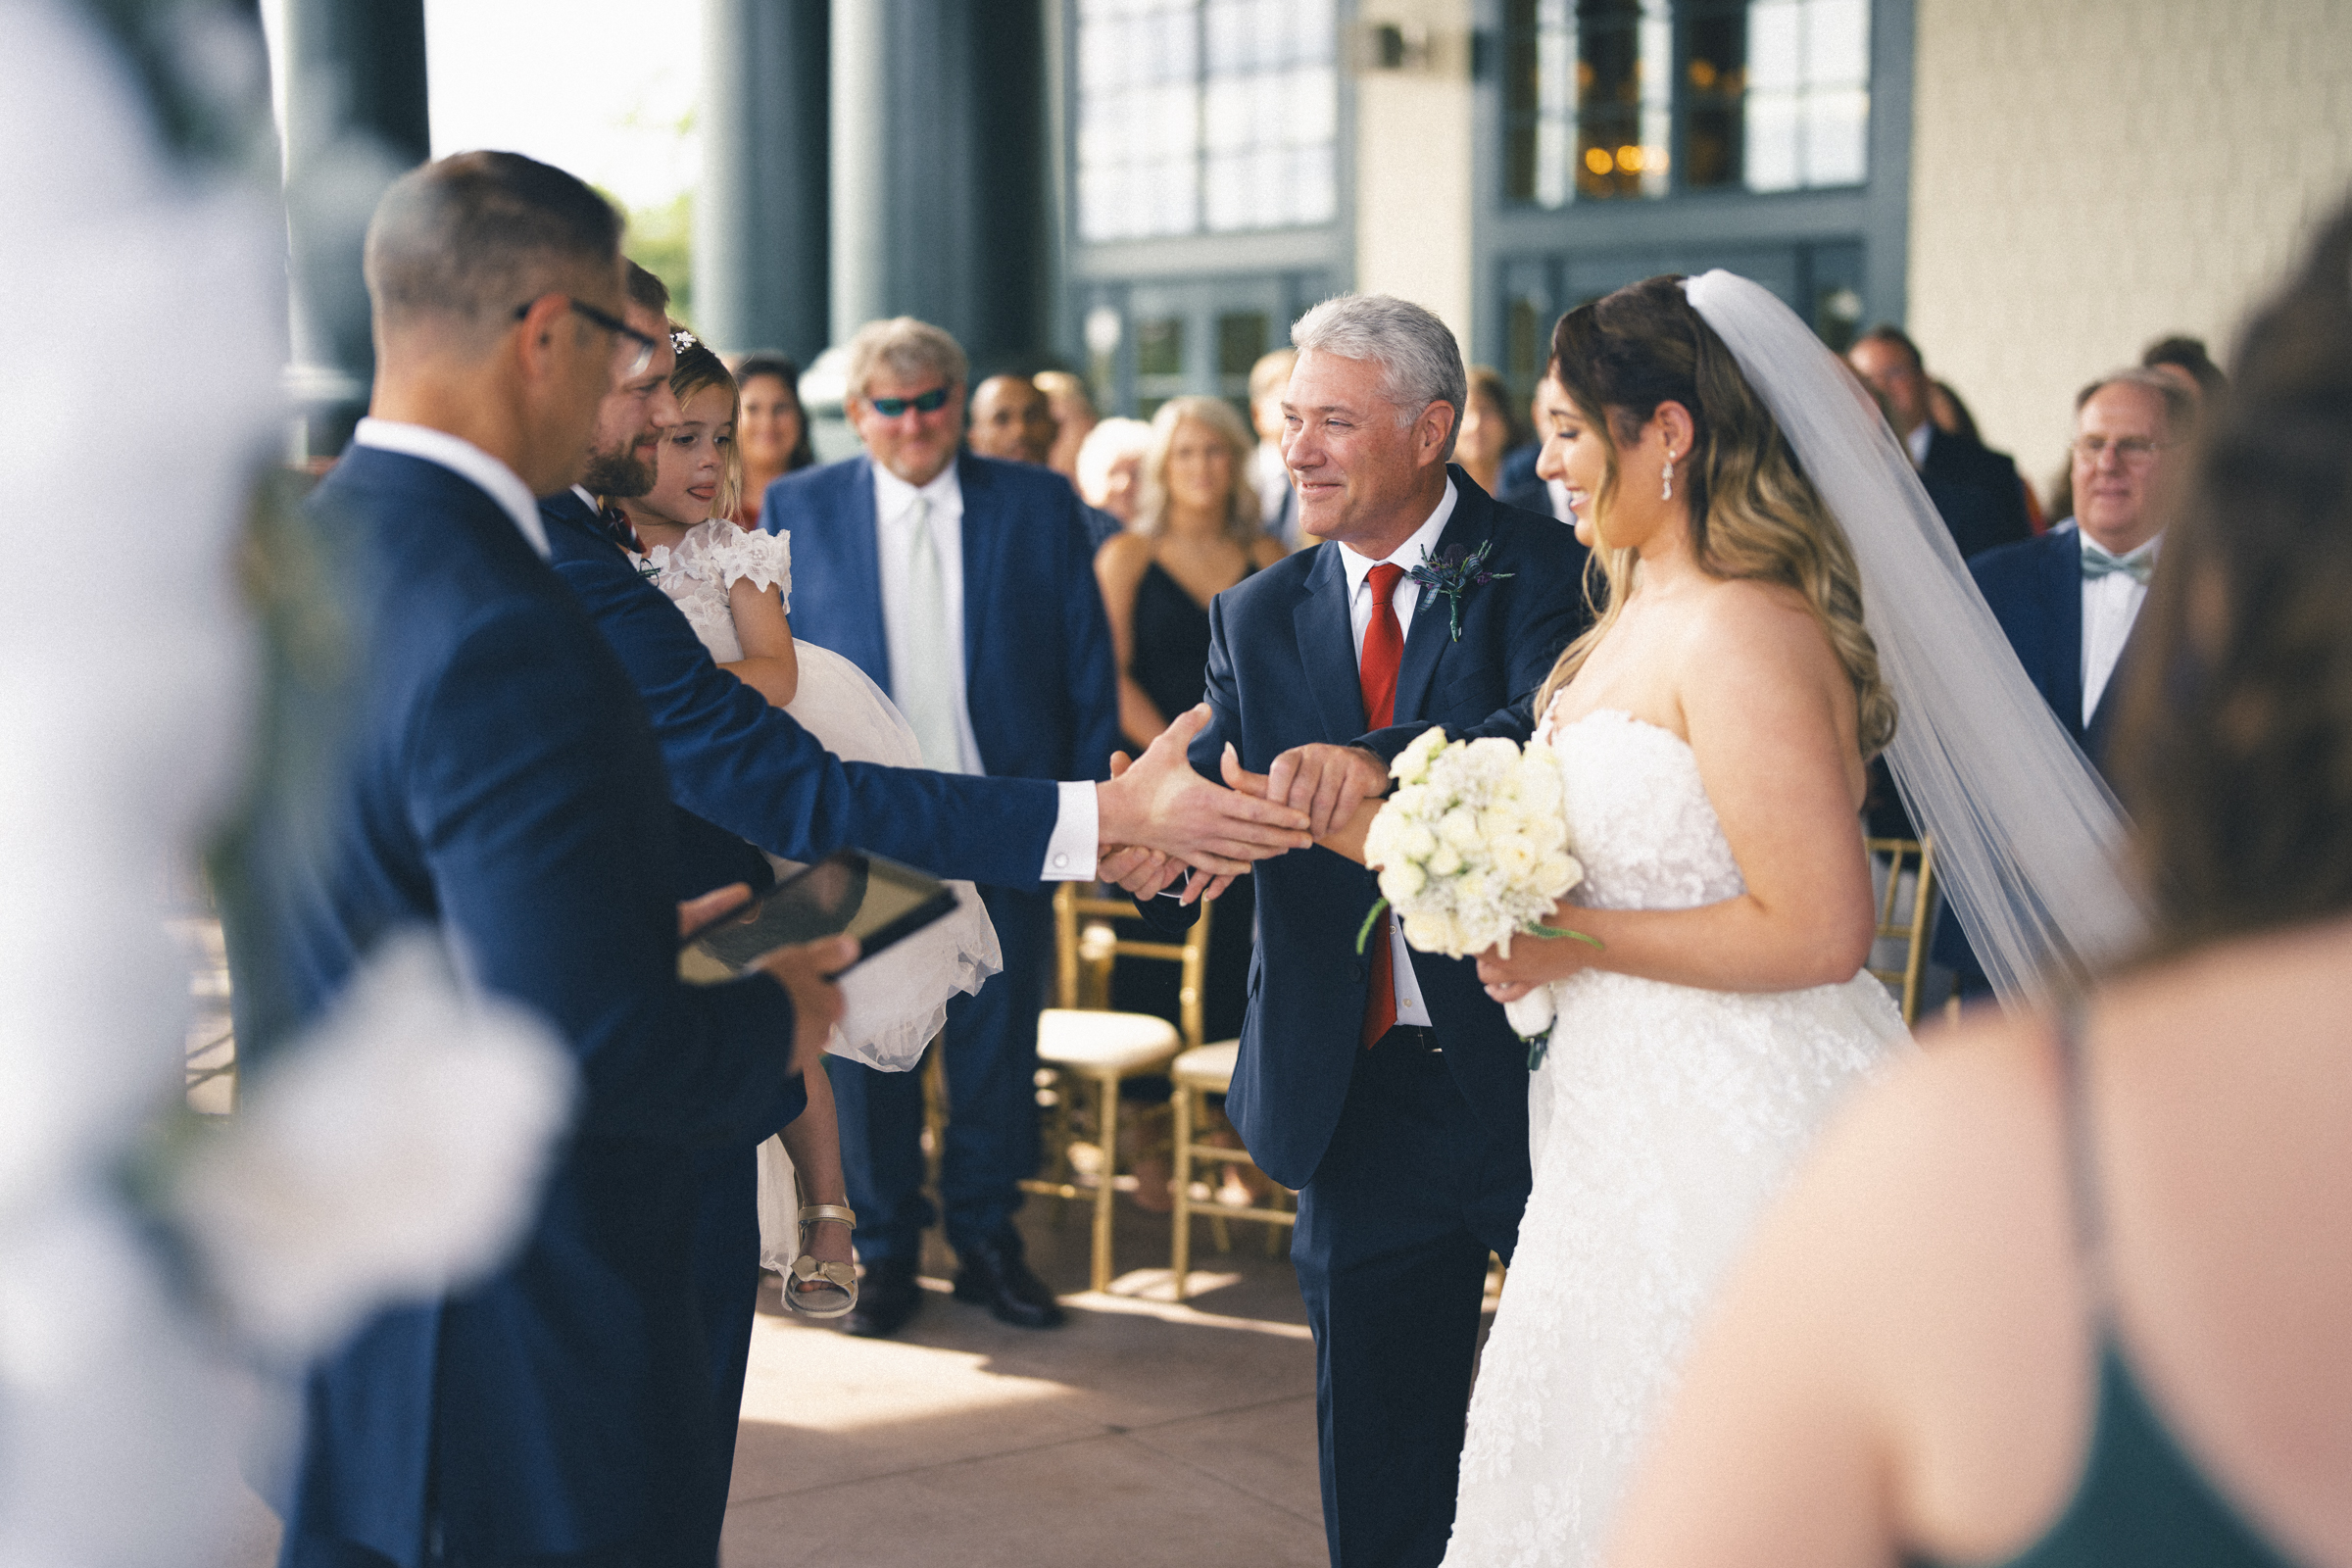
[1629, 159]
[1598, 159]
[1702, 74]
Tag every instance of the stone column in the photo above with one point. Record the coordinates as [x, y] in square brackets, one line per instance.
[356, 120]
[761, 258]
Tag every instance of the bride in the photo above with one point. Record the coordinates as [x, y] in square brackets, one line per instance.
[1713, 730]
[1744, 499]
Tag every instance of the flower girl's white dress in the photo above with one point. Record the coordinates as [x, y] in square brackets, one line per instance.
[1663, 1121]
[896, 1002]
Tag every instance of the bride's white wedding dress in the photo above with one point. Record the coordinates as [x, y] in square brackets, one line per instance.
[1662, 1122]
[896, 1003]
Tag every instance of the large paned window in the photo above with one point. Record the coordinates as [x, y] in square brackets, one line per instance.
[1611, 99]
[1205, 117]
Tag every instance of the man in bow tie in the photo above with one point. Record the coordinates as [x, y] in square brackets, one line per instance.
[2067, 600]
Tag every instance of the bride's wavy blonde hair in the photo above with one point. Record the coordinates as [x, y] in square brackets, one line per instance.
[1753, 513]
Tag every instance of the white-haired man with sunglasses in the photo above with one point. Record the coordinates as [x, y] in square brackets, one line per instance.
[964, 586]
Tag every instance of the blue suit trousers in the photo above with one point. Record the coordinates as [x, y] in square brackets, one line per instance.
[1391, 1248]
[989, 1049]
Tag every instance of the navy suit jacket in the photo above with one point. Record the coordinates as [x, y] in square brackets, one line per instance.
[750, 767]
[2034, 590]
[1977, 493]
[1038, 679]
[1282, 673]
[482, 769]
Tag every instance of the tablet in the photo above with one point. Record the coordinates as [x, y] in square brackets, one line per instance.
[847, 893]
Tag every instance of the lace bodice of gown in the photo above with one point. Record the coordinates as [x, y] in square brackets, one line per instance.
[1660, 1124]
[1641, 822]
[699, 569]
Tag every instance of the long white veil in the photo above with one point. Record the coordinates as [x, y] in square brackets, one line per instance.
[2026, 836]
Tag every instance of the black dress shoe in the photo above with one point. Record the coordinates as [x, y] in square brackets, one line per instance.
[993, 1274]
[886, 1298]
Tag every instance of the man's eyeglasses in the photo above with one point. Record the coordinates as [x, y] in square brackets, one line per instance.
[641, 349]
[930, 402]
[2131, 450]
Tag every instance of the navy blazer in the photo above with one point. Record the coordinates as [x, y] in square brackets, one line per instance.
[482, 769]
[1039, 680]
[2034, 590]
[1976, 492]
[1282, 673]
[736, 761]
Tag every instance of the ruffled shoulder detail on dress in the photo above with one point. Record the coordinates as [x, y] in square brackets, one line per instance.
[719, 552]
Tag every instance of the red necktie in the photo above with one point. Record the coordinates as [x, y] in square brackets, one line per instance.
[1384, 650]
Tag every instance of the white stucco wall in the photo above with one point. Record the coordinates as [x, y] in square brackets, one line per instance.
[1413, 161]
[2090, 174]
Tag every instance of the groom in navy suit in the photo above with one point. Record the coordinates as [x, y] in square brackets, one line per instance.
[480, 767]
[964, 587]
[1387, 1087]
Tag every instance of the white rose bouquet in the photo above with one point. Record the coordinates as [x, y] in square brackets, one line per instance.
[1472, 851]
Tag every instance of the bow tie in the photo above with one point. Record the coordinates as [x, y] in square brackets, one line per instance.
[2098, 562]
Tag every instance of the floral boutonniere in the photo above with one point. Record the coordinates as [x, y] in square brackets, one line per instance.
[1453, 574]
[654, 562]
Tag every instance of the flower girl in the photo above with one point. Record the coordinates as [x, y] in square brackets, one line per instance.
[734, 586]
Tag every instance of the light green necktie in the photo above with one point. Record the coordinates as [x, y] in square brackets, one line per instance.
[926, 686]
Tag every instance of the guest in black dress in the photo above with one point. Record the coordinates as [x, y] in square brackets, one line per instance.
[1195, 533]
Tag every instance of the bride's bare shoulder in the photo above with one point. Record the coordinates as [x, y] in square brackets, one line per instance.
[1742, 628]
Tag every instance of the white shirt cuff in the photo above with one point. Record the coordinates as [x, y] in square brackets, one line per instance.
[1071, 853]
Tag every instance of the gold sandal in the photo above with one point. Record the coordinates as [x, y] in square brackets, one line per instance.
[822, 1289]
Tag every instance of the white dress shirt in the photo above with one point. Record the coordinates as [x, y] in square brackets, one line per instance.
[1411, 1009]
[1919, 441]
[466, 460]
[2110, 605]
[1071, 852]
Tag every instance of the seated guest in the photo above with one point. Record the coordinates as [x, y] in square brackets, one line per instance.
[964, 587]
[772, 435]
[1011, 421]
[1489, 429]
[1277, 504]
[1951, 417]
[1976, 490]
[1111, 464]
[1073, 410]
[2072, 1287]
[477, 768]
[1535, 493]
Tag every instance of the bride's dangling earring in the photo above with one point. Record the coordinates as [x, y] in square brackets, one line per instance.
[1667, 493]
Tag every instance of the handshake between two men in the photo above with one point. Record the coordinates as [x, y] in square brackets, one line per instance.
[1156, 819]
[1316, 794]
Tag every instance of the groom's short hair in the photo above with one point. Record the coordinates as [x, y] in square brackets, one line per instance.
[1420, 361]
[474, 234]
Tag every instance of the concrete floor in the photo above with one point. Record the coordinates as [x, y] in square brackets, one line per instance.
[1142, 1432]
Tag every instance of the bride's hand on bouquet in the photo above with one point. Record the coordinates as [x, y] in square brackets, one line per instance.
[1538, 961]
[1158, 802]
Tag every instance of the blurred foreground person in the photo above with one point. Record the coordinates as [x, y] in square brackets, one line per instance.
[485, 772]
[1074, 418]
[771, 436]
[2072, 1288]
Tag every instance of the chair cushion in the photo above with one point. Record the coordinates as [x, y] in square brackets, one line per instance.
[1100, 1043]
[1208, 1067]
